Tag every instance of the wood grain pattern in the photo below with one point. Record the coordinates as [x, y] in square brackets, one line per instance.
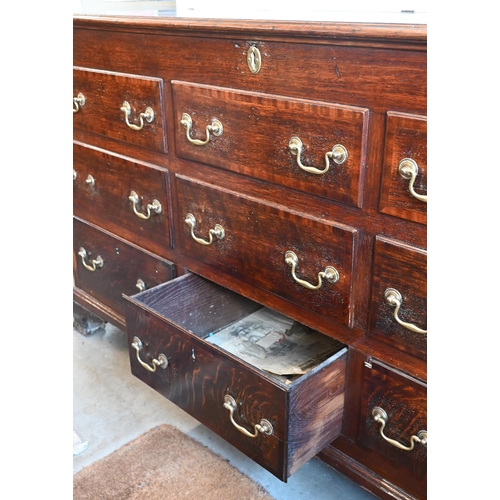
[358, 472]
[97, 307]
[105, 93]
[257, 237]
[370, 81]
[305, 415]
[123, 265]
[360, 452]
[316, 410]
[196, 304]
[257, 131]
[402, 36]
[344, 75]
[402, 268]
[404, 399]
[406, 137]
[106, 203]
[198, 387]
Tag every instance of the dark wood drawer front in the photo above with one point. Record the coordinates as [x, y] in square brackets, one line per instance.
[404, 183]
[256, 240]
[372, 77]
[399, 277]
[262, 134]
[118, 195]
[175, 318]
[403, 400]
[105, 94]
[122, 266]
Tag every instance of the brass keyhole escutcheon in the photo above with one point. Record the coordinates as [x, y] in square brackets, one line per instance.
[254, 59]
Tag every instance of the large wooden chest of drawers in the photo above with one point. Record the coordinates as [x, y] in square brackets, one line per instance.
[225, 166]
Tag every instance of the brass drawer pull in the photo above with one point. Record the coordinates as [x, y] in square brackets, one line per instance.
[408, 169]
[218, 231]
[265, 426]
[90, 180]
[330, 273]
[155, 206]
[215, 127]
[162, 360]
[78, 101]
[338, 154]
[95, 263]
[380, 416]
[148, 115]
[395, 299]
[140, 285]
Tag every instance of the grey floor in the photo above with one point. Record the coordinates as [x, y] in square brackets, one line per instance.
[111, 407]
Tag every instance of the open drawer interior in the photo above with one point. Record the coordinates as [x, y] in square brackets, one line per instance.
[272, 388]
[279, 346]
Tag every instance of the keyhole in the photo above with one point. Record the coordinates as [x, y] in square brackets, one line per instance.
[252, 61]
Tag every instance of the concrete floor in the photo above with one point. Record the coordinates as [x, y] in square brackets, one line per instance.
[111, 407]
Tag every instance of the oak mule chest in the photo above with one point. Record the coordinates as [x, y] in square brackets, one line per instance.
[227, 169]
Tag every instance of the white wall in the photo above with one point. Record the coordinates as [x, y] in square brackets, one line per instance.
[322, 10]
[121, 7]
[390, 11]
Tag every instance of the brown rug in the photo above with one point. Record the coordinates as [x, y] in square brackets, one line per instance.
[164, 464]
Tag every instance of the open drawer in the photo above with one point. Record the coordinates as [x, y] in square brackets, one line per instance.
[278, 421]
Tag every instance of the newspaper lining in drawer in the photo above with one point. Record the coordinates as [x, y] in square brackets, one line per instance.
[173, 321]
[275, 343]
